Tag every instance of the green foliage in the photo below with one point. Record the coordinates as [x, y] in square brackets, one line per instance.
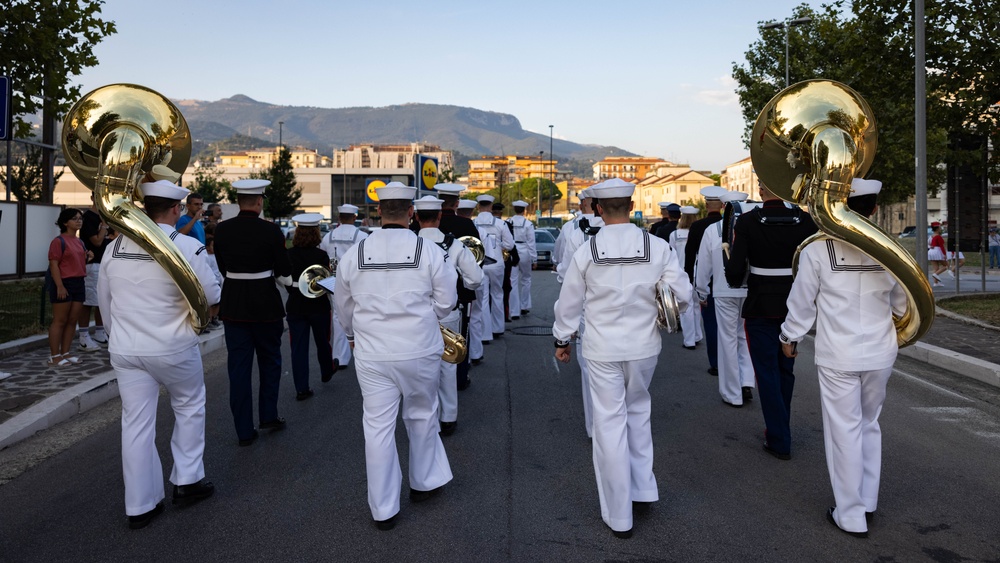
[447, 176]
[208, 182]
[43, 45]
[283, 195]
[528, 190]
[26, 175]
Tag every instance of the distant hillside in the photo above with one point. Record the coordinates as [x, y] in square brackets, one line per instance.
[470, 131]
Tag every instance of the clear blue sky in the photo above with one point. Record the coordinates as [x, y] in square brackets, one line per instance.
[650, 76]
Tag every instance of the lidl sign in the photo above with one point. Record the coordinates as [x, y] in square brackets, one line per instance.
[427, 172]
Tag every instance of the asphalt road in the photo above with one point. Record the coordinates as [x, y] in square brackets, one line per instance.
[524, 486]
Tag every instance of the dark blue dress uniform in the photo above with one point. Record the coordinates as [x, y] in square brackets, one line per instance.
[764, 243]
[305, 314]
[452, 224]
[251, 254]
[695, 233]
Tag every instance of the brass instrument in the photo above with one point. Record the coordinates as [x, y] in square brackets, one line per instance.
[455, 347]
[667, 311]
[808, 143]
[475, 246]
[309, 281]
[111, 138]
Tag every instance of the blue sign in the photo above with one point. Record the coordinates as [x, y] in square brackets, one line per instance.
[427, 172]
[638, 214]
[4, 107]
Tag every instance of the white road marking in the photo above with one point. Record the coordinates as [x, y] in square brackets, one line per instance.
[912, 377]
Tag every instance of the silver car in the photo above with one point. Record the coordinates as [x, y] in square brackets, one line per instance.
[544, 245]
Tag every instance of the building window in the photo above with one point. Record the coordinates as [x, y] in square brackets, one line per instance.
[684, 189]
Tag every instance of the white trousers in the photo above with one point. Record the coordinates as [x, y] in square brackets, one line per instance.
[588, 401]
[139, 380]
[523, 285]
[341, 348]
[494, 305]
[691, 323]
[623, 442]
[448, 384]
[852, 402]
[514, 301]
[383, 386]
[735, 366]
[480, 322]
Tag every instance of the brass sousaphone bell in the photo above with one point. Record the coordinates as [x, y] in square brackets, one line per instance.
[809, 142]
[309, 279]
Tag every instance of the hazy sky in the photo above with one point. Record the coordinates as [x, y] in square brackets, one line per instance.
[650, 76]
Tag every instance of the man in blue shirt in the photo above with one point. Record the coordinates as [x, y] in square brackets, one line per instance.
[190, 223]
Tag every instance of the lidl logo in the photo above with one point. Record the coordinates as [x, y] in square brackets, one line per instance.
[429, 174]
[371, 189]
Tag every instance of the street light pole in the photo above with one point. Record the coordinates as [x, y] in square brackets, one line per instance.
[785, 25]
[281, 125]
[551, 169]
[541, 173]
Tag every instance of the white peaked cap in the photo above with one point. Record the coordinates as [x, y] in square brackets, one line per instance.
[520, 203]
[860, 186]
[615, 187]
[428, 203]
[485, 197]
[308, 219]
[733, 196]
[467, 204]
[395, 190]
[689, 210]
[161, 172]
[165, 189]
[250, 187]
[664, 204]
[712, 192]
[347, 208]
[449, 189]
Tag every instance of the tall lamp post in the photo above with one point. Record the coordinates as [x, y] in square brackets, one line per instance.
[785, 25]
[281, 125]
[551, 169]
[538, 211]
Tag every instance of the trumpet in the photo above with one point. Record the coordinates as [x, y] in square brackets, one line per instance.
[667, 311]
[475, 246]
[455, 347]
[309, 281]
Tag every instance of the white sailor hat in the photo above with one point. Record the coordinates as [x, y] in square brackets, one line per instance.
[164, 189]
[250, 187]
[582, 194]
[615, 187]
[428, 203]
[308, 219]
[689, 210]
[467, 204]
[733, 196]
[712, 192]
[664, 204]
[449, 189]
[348, 209]
[860, 187]
[520, 203]
[161, 172]
[485, 198]
[395, 190]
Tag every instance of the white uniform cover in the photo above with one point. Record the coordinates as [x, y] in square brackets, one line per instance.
[151, 342]
[572, 241]
[735, 366]
[690, 319]
[557, 250]
[851, 298]
[336, 244]
[496, 238]
[520, 275]
[472, 276]
[392, 290]
[612, 279]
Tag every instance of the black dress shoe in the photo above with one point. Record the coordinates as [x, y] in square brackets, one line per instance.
[143, 520]
[326, 377]
[421, 496]
[476, 361]
[387, 524]
[747, 394]
[641, 507]
[776, 453]
[303, 396]
[713, 371]
[690, 347]
[190, 494]
[869, 516]
[276, 424]
[622, 535]
[250, 440]
[514, 318]
[507, 320]
[341, 368]
[829, 518]
[448, 428]
[486, 342]
[525, 311]
[497, 335]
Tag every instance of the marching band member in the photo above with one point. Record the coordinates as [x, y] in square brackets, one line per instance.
[152, 343]
[690, 318]
[568, 227]
[496, 238]
[392, 290]
[336, 244]
[251, 256]
[764, 243]
[735, 368]
[470, 275]
[664, 217]
[611, 282]
[673, 217]
[851, 298]
[695, 234]
[520, 279]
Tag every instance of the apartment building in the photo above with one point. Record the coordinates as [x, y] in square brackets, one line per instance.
[263, 158]
[682, 187]
[629, 168]
[489, 172]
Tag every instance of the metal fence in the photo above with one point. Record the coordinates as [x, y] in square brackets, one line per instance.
[24, 309]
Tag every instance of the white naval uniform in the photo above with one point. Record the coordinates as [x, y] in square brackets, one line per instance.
[152, 343]
[336, 244]
[520, 275]
[690, 319]
[472, 276]
[851, 298]
[573, 240]
[735, 366]
[393, 288]
[610, 282]
[496, 238]
[557, 249]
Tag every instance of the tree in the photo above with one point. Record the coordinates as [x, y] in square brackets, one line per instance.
[256, 174]
[26, 176]
[527, 190]
[283, 196]
[208, 182]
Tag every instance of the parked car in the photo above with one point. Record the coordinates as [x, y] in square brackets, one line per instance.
[545, 243]
[552, 230]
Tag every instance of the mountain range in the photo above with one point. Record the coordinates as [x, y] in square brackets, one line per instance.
[470, 131]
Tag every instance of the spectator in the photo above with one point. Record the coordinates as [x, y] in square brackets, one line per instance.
[190, 223]
[96, 235]
[994, 248]
[67, 269]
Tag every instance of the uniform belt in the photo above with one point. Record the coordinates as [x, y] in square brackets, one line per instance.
[770, 271]
[250, 275]
[520, 242]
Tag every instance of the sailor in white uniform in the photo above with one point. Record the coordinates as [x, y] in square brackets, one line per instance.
[613, 280]
[393, 289]
[520, 277]
[152, 343]
[736, 375]
[852, 299]
[691, 318]
[336, 244]
[428, 209]
[496, 238]
[557, 250]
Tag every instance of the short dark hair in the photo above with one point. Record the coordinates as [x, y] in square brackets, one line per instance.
[863, 204]
[193, 196]
[448, 201]
[156, 206]
[428, 215]
[394, 208]
[65, 216]
[247, 200]
[614, 205]
[347, 218]
[306, 237]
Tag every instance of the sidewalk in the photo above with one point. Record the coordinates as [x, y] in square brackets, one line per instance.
[34, 397]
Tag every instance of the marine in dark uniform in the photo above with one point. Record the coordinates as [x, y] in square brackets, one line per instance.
[673, 217]
[764, 243]
[251, 255]
[695, 234]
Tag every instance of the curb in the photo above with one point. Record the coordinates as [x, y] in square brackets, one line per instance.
[78, 399]
[980, 370]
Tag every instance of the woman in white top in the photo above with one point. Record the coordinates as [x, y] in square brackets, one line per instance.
[690, 319]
